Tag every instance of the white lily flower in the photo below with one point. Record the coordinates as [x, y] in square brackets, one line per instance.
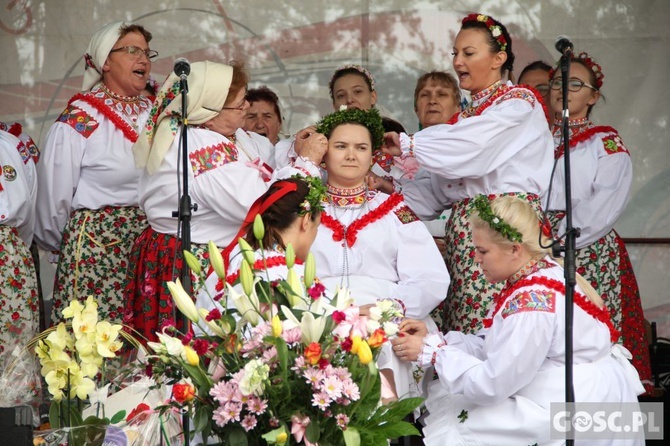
[248, 306]
[183, 301]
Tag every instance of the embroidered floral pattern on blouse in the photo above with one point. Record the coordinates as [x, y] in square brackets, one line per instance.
[211, 157]
[405, 214]
[79, 120]
[519, 93]
[532, 300]
[345, 197]
[613, 144]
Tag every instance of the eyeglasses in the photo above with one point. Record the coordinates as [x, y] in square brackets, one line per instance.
[239, 107]
[137, 52]
[574, 85]
[542, 88]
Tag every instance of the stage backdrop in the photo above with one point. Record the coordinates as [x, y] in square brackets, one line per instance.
[294, 46]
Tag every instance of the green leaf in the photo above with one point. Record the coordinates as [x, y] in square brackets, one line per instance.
[118, 417]
[313, 431]
[397, 410]
[236, 436]
[395, 429]
[199, 376]
[71, 415]
[351, 437]
[202, 415]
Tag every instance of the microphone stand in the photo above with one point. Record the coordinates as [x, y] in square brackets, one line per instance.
[184, 214]
[571, 234]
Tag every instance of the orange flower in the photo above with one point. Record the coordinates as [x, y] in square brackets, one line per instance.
[183, 392]
[231, 343]
[377, 338]
[313, 353]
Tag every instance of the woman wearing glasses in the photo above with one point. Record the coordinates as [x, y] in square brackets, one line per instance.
[228, 168]
[601, 173]
[87, 204]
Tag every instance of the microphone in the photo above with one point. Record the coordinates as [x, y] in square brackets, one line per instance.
[563, 45]
[182, 67]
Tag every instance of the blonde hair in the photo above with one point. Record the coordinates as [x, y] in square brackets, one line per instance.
[521, 216]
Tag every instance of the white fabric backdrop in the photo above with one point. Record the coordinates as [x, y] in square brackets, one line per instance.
[293, 47]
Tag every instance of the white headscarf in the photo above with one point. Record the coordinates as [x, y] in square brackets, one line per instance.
[98, 49]
[208, 85]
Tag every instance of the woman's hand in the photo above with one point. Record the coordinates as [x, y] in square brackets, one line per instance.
[392, 144]
[314, 147]
[364, 310]
[407, 347]
[374, 181]
[301, 137]
[413, 327]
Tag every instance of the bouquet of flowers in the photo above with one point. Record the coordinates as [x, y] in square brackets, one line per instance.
[279, 362]
[74, 356]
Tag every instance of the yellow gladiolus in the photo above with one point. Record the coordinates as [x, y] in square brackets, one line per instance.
[190, 356]
[216, 260]
[355, 344]
[364, 352]
[183, 301]
[192, 262]
[276, 326]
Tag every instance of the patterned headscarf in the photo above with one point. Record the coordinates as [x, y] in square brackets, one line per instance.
[208, 85]
[96, 54]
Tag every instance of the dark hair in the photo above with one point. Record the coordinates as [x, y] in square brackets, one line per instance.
[263, 93]
[493, 43]
[440, 77]
[391, 125]
[537, 65]
[349, 69]
[135, 28]
[239, 81]
[281, 214]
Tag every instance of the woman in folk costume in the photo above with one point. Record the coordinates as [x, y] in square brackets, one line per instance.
[87, 204]
[496, 387]
[369, 242]
[19, 306]
[290, 211]
[601, 179]
[229, 169]
[498, 145]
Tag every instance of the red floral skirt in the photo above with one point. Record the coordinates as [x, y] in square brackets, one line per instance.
[155, 260]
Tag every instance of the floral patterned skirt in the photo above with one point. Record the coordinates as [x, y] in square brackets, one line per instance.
[605, 264]
[19, 305]
[94, 259]
[155, 260]
[470, 294]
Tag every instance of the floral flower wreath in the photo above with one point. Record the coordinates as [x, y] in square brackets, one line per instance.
[367, 118]
[483, 207]
[313, 201]
[496, 30]
[360, 69]
[589, 62]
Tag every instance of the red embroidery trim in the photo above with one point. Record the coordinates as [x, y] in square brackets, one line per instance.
[501, 91]
[260, 264]
[100, 106]
[360, 223]
[583, 136]
[600, 314]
